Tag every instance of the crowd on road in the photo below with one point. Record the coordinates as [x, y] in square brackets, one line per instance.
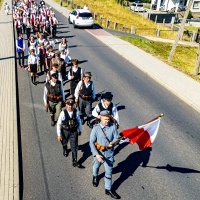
[39, 24]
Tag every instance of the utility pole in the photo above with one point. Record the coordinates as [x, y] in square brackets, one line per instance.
[196, 69]
[180, 31]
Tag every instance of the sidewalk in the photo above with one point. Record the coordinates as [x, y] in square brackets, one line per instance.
[192, 44]
[9, 169]
[178, 83]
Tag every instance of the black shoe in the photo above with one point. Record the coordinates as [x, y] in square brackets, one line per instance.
[65, 152]
[95, 181]
[89, 124]
[113, 194]
[76, 164]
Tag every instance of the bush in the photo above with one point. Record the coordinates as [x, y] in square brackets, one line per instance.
[189, 15]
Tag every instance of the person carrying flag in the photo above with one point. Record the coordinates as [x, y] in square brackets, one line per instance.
[102, 141]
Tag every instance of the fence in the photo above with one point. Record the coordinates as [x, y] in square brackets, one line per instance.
[157, 32]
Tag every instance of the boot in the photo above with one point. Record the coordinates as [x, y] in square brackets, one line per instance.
[74, 160]
[52, 121]
[65, 151]
[95, 181]
[113, 194]
[88, 122]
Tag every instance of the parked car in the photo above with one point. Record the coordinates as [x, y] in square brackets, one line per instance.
[81, 18]
[137, 7]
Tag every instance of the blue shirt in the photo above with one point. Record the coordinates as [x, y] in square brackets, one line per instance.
[97, 135]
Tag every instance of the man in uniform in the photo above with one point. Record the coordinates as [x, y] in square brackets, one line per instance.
[74, 75]
[84, 95]
[54, 97]
[102, 141]
[107, 104]
[68, 128]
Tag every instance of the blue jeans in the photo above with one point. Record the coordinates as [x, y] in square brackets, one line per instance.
[108, 165]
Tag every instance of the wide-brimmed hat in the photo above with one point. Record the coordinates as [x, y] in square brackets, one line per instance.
[70, 102]
[107, 95]
[87, 74]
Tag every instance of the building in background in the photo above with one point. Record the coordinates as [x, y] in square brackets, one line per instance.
[175, 5]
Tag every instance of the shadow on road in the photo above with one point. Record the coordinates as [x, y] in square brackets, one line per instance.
[170, 168]
[130, 165]
[85, 148]
[7, 58]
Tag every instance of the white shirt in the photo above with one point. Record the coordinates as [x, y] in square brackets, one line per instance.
[79, 87]
[32, 59]
[46, 91]
[115, 115]
[49, 43]
[66, 58]
[62, 118]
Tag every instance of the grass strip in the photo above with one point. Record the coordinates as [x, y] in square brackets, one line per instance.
[184, 59]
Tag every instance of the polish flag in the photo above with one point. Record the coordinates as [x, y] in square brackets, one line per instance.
[143, 135]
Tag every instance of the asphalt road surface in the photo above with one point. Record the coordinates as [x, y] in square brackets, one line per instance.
[173, 169]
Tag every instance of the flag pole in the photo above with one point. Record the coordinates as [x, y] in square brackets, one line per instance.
[161, 115]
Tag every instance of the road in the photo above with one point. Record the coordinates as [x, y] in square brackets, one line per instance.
[173, 170]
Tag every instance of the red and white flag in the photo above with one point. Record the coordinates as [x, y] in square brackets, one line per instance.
[143, 135]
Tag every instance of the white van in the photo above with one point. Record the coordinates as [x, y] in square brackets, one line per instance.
[137, 7]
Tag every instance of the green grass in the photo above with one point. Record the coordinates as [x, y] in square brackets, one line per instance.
[183, 60]
[1, 3]
[192, 28]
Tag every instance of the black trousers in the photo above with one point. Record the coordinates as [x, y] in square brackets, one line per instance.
[19, 31]
[54, 27]
[73, 85]
[71, 136]
[28, 32]
[21, 58]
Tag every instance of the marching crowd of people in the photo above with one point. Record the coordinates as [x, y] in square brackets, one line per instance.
[39, 23]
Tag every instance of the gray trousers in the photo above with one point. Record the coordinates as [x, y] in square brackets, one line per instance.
[55, 109]
[108, 165]
[85, 107]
